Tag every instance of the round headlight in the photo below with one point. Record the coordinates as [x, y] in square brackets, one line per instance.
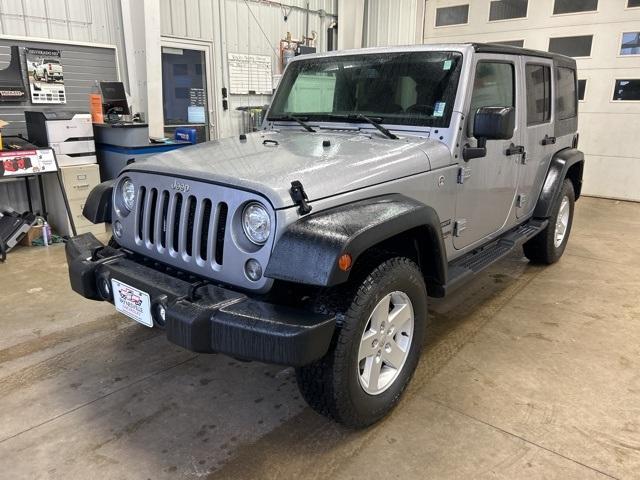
[256, 223]
[128, 193]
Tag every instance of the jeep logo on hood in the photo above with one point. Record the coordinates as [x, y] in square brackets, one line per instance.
[181, 187]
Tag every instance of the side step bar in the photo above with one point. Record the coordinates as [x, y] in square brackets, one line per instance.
[470, 264]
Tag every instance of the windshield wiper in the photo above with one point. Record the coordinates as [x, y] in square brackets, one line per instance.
[301, 122]
[375, 123]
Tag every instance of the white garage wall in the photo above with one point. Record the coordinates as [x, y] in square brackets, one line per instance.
[393, 22]
[229, 27]
[608, 129]
[93, 21]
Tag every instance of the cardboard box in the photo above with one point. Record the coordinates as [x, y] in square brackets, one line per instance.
[33, 233]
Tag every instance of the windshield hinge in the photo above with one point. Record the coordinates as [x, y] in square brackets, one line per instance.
[299, 197]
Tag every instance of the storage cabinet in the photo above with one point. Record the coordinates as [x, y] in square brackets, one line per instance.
[78, 181]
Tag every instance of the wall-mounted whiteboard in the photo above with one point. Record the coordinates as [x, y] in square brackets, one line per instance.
[250, 74]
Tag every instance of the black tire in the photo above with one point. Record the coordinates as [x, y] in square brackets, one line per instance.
[331, 385]
[542, 248]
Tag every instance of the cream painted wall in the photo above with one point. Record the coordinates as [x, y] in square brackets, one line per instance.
[608, 129]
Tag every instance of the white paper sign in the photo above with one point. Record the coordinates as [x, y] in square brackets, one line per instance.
[250, 74]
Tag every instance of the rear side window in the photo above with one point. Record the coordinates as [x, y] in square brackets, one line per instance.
[566, 95]
[538, 93]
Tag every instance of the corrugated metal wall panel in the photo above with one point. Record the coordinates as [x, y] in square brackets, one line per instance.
[391, 22]
[94, 21]
[82, 66]
[196, 19]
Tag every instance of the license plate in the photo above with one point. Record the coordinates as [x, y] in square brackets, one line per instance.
[134, 303]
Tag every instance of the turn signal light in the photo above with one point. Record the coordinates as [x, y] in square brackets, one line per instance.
[344, 262]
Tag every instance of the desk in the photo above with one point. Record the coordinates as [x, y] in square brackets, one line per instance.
[117, 145]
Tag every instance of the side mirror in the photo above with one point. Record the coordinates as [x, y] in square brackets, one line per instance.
[490, 123]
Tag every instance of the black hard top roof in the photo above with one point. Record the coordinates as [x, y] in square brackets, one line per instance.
[510, 50]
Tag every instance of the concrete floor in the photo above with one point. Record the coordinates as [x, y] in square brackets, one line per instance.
[530, 372]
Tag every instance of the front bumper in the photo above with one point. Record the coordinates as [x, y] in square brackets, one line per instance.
[200, 316]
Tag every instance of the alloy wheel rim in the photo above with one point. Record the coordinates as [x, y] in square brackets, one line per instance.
[562, 222]
[385, 343]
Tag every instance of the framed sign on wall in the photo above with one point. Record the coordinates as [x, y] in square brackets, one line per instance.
[46, 78]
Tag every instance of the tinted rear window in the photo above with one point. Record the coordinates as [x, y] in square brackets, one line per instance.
[566, 95]
[538, 93]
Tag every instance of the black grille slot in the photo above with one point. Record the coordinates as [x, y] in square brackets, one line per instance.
[191, 219]
[204, 235]
[152, 214]
[221, 228]
[141, 199]
[164, 218]
[176, 221]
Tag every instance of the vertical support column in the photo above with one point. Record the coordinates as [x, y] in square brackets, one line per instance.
[350, 24]
[141, 28]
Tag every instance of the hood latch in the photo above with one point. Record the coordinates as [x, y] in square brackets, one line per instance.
[299, 197]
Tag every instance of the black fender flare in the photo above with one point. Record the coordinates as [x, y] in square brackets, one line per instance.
[97, 208]
[561, 162]
[309, 250]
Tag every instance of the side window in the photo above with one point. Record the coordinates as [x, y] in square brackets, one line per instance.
[493, 86]
[566, 95]
[538, 93]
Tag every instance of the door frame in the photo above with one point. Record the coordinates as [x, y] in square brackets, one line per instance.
[207, 48]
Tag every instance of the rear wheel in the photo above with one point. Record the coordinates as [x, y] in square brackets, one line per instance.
[548, 246]
[375, 349]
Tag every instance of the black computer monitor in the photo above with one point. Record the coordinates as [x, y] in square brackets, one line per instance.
[114, 100]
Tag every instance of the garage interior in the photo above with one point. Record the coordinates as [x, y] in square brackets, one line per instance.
[527, 371]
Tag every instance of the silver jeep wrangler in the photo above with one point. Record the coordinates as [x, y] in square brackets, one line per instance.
[382, 177]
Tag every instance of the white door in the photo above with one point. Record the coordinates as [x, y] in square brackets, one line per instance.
[187, 88]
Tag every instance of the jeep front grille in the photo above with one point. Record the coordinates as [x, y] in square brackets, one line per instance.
[182, 224]
[196, 228]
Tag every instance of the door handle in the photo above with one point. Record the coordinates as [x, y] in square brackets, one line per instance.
[547, 140]
[515, 150]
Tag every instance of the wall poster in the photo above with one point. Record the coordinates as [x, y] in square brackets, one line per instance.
[46, 79]
[27, 162]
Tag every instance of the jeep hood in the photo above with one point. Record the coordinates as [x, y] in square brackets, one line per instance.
[267, 162]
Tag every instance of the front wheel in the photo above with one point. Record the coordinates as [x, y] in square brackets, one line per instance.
[375, 349]
[548, 246]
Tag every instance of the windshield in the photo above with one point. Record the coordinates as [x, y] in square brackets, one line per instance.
[416, 88]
